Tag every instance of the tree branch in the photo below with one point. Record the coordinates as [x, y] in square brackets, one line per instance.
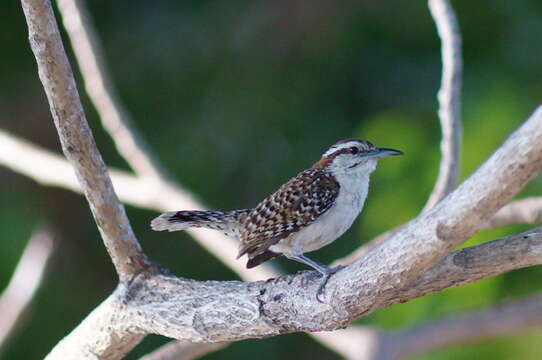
[524, 211]
[25, 282]
[356, 342]
[115, 119]
[228, 311]
[449, 97]
[77, 140]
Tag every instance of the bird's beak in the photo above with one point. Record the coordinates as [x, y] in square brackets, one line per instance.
[380, 153]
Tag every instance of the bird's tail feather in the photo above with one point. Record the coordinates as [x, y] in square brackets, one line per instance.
[181, 220]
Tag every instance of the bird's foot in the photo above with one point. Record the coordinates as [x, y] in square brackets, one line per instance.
[308, 277]
[326, 276]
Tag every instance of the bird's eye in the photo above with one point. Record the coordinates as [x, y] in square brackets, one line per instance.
[354, 150]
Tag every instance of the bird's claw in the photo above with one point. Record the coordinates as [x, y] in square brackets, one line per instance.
[310, 275]
[325, 280]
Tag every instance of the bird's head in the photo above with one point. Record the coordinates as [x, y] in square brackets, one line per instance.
[353, 156]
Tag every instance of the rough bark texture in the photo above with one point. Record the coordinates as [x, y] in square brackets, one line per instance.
[213, 311]
[76, 138]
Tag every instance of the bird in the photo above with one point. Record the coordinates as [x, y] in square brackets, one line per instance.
[308, 212]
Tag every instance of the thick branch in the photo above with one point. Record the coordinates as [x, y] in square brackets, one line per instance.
[449, 97]
[24, 283]
[228, 311]
[77, 140]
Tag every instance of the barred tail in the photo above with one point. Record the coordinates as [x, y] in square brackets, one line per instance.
[229, 222]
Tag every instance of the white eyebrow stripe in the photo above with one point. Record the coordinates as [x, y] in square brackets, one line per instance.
[339, 147]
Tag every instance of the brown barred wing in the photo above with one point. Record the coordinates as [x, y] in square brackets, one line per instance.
[297, 204]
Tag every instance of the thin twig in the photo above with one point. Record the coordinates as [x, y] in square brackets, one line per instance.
[356, 342]
[449, 99]
[77, 141]
[524, 211]
[116, 120]
[474, 326]
[183, 350]
[25, 282]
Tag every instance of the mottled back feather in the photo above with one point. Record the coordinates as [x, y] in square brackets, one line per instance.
[294, 206]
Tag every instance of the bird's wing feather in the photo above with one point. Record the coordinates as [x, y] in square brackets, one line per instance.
[297, 204]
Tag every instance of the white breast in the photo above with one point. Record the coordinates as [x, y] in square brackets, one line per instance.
[338, 219]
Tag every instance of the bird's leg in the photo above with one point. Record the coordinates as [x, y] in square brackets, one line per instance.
[325, 270]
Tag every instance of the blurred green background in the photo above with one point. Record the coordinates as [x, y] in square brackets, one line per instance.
[238, 96]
